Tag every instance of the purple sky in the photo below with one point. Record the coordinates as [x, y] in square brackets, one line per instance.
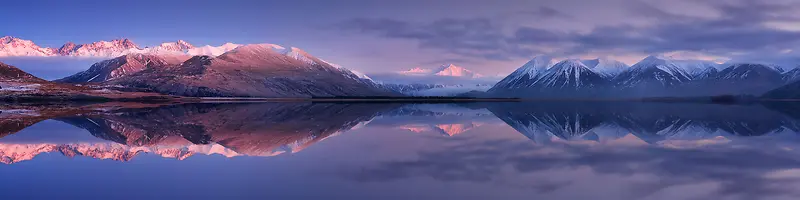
[373, 36]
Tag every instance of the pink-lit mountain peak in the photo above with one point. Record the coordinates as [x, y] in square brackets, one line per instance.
[453, 70]
[12, 46]
[450, 70]
[179, 45]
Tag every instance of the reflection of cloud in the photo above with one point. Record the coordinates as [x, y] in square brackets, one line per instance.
[741, 171]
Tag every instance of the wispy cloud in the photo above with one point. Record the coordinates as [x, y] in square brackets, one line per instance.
[738, 28]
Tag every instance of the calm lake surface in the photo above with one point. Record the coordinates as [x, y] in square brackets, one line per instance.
[531, 150]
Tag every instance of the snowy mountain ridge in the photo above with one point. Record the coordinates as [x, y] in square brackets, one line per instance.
[16, 47]
[653, 76]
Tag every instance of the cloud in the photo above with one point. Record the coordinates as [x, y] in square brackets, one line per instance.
[741, 28]
[731, 29]
[478, 37]
[546, 12]
[486, 161]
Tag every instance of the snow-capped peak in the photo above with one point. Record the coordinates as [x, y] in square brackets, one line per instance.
[450, 70]
[11, 46]
[535, 65]
[101, 48]
[606, 67]
[570, 73]
[691, 67]
[179, 45]
[456, 71]
[525, 75]
[10, 40]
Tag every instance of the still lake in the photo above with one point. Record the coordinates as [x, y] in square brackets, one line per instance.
[522, 150]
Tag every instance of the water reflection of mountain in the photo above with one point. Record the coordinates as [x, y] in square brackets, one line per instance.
[445, 119]
[266, 129]
[651, 122]
[262, 129]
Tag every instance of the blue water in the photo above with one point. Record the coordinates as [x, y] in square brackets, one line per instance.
[395, 151]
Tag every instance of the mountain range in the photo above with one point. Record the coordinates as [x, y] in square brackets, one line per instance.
[269, 70]
[258, 70]
[12, 46]
[654, 76]
[179, 68]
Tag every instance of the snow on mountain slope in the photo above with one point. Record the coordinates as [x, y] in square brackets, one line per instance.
[652, 70]
[708, 73]
[177, 47]
[569, 74]
[211, 50]
[792, 75]
[750, 72]
[100, 49]
[606, 67]
[11, 46]
[525, 75]
[694, 67]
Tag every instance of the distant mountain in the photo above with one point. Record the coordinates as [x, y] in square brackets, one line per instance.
[411, 88]
[444, 129]
[450, 70]
[12, 47]
[456, 71]
[262, 70]
[445, 80]
[736, 79]
[421, 89]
